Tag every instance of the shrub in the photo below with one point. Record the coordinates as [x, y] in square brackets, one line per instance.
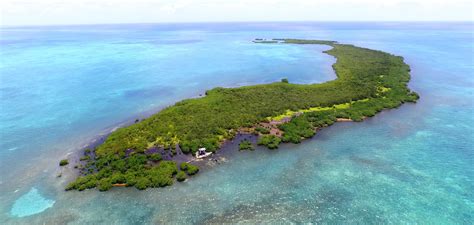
[119, 165]
[284, 80]
[190, 169]
[142, 183]
[130, 179]
[81, 187]
[160, 180]
[271, 141]
[357, 117]
[92, 183]
[63, 162]
[104, 184]
[181, 176]
[155, 157]
[118, 178]
[298, 128]
[246, 145]
[82, 183]
[183, 166]
[168, 167]
[262, 130]
[73, 185]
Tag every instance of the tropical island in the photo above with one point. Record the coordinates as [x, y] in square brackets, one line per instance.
[368, 81]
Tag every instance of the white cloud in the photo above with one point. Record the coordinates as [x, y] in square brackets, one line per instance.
[24, 12]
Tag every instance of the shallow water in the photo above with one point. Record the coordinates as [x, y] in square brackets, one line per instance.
[61, 86]
[31, 203]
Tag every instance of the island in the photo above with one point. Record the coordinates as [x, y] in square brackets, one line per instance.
[368, 81]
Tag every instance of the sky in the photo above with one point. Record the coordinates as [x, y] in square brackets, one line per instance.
[54, 12]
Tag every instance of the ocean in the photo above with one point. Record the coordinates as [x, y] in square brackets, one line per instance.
[63, 87]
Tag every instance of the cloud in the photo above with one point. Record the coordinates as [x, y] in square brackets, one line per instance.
[24, 12]
[174, 6]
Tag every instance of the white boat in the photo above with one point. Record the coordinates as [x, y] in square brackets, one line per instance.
[201, 153]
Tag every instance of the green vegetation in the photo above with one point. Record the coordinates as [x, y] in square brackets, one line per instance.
[368, 81]
[131, 171]
[304, 126]
[190, 169]
[142, 183]
[262, 130]
[85, 158]
[297, 129]
[284, 80]
[155, 157]
[246, 145]
[63, 162]
[181, 176]
[271, 141]
[104, 184]
[310, 42]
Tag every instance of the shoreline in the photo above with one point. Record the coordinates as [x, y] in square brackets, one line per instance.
[274, 113]
[98, 139]
[228, 147]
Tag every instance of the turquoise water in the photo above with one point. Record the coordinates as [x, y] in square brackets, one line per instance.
[31, 203]
[62, 86]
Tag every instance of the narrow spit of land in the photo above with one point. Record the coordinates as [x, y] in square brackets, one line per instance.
[368, 81]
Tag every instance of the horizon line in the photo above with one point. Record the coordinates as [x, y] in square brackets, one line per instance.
[223, 22]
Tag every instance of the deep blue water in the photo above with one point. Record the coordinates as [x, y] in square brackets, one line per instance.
[62, 86]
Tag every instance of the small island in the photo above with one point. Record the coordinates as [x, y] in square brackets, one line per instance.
[368, 81]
